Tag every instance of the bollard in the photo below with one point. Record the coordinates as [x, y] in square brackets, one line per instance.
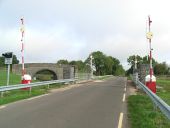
[151, 83]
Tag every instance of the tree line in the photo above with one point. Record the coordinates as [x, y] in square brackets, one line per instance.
[107, 65]
[102, 64]
[159, 68]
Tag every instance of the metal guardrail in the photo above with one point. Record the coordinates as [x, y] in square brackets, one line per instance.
[20, 86]
[164, 107]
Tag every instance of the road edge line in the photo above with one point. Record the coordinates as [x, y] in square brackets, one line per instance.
[1, 107]
[120, 120]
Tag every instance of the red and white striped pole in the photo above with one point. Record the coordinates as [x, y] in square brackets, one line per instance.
[150, 80]
[150, 48]
[26, 79]
[22, 43]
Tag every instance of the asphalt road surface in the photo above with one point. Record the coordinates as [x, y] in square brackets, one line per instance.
[97, 104]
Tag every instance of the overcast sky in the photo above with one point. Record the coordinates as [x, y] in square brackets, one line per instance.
[72, 29]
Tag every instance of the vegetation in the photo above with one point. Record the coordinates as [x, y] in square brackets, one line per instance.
[14, 79]
[14, 60]
[142, 113]
[159, 68]
[80, 65]
[103, 64]
[62, 61]
[106, 65]
[15, 95]
[164, 88]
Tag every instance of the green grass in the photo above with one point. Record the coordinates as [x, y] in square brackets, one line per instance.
[14, 79]
[15, 95]
[129, 78]
[142, 113]
[164, 91]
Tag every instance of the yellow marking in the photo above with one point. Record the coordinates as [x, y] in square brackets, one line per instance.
[1, 107]
[120, 120]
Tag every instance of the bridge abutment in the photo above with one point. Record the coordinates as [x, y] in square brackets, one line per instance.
[61, 71]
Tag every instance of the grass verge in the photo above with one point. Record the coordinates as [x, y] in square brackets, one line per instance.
[15, 95]
[14, 79]
[142, 113]
[164, 89]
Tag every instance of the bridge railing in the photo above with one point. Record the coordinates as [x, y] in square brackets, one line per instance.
[164, 107]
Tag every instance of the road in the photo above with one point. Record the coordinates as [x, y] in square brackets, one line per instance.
[90, 105]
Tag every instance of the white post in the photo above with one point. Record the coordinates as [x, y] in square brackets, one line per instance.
[8, 73]
[91, 66]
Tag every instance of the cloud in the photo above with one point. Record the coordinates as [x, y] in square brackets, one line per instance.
[72, 29]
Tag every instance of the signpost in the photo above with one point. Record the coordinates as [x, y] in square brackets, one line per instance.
[8, 60]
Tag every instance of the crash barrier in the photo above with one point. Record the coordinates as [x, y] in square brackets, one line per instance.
[164, 107]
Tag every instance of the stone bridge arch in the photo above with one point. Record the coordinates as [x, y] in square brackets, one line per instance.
[53, 73]
[59, 71]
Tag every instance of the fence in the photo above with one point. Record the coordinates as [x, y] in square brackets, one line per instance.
[164, 107]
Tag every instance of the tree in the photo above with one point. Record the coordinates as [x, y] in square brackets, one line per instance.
[15, 60]
[62, 61]
[99, 62]
[80, 65]
[108, 65]
[140, 60]
[105, 65]
[131, 60]
[145, 60]
[161, 69]
[119, 70]
[116, 63]
[2, 61]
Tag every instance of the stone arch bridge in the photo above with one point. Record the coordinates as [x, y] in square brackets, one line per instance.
[58, 71]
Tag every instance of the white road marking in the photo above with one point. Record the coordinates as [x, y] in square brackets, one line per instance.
[1, 107]
[120, 120]
[124, 96]
[125, 89]
[37, 97]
